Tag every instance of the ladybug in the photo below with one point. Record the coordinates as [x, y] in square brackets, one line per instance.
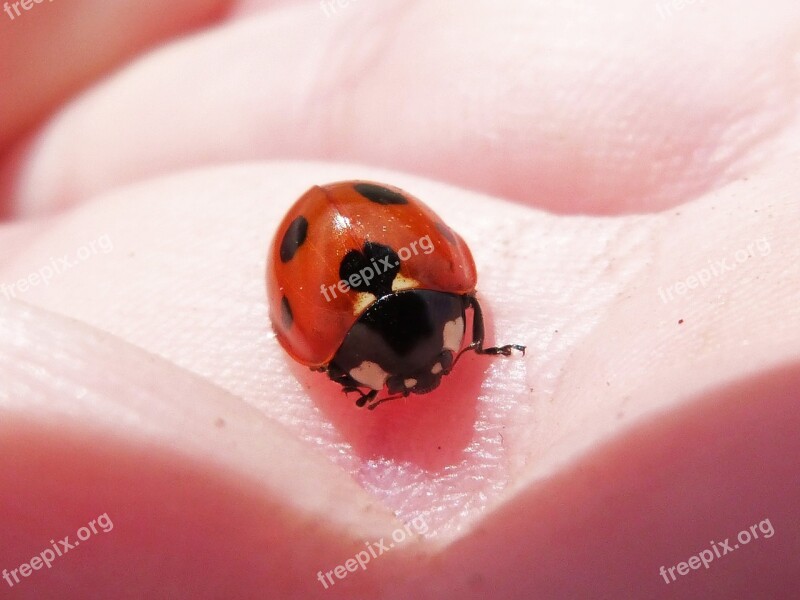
[369, 286]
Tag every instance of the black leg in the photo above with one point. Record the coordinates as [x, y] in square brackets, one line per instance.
[477, 334]
[382, 400]
[366, 398]
[363, 398]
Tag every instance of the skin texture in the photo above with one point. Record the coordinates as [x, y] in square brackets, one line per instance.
[593, 156]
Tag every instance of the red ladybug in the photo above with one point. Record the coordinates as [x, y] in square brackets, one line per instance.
[367, 284]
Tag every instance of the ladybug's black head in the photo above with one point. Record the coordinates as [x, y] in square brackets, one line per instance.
[406, 341]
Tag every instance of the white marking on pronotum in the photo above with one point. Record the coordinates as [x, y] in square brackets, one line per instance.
[410, 382]
[369, 374]
[363, 300]
[437, 368]
[453, 334]
[403, 283]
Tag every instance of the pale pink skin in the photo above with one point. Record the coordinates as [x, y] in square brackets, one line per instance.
[145, 382]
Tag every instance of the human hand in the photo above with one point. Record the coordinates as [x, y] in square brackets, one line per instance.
[646, 419]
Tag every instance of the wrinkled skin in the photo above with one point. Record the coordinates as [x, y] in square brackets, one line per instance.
[144, 381]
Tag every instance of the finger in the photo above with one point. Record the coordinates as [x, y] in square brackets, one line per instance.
[51, 49]
[173, 274]
[188, 285]
[200, 493]
[656, 510]
[499, 433]
[568, 107]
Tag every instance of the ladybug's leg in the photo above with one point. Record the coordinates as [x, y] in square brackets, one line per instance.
[350, 385]
[477, 334]
[363, 398]
[382, 400]
[370, 396]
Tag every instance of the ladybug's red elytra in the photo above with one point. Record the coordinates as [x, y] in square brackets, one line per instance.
[368, 285]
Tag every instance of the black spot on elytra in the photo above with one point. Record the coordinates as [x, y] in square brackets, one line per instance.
[446, 232]
[293, 238]
[379, 194]
[287, 318]
[376, 268]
